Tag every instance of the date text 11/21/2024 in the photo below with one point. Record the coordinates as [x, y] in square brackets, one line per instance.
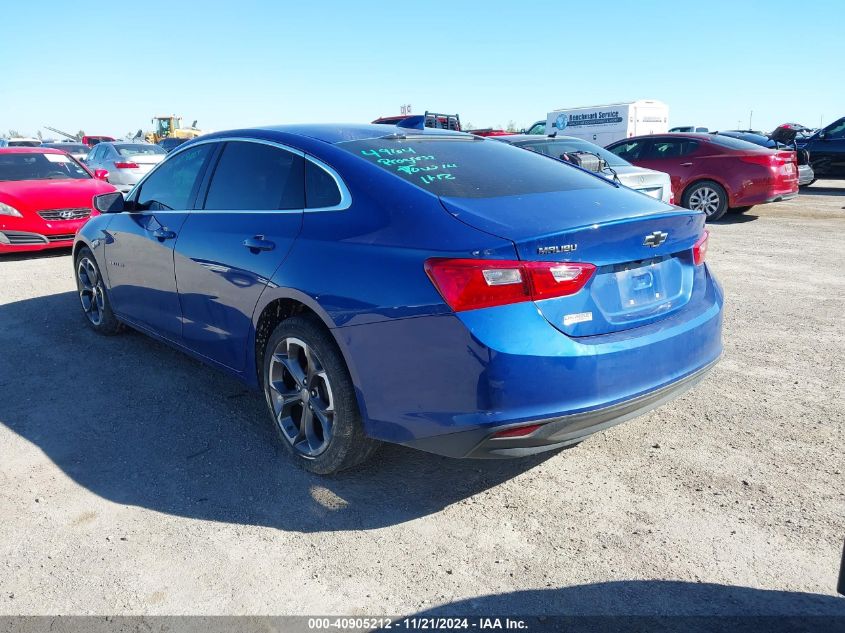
[432, 623]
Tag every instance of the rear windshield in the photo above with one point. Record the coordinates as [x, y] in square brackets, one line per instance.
[24, 143]
[70, 148]
[128, 150]
[556, 147]
[40, 167]
[732, 143]
[470, 167]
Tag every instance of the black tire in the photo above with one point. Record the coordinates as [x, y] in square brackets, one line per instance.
[739, 209]
[311, 398]
[707, 196]
[93, 296]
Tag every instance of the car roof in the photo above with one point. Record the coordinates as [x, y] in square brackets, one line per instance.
[338, 132]
[30, 150]
[513, 138]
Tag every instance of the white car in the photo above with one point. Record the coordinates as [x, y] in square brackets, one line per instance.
[648, 181]
[78, 150]
[20, 141]
[123, 164]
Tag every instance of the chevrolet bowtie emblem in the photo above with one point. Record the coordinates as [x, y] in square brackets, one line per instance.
[655, 239]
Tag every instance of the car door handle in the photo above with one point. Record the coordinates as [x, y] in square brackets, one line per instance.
[164, 233]
[258, 243]
[686, 164]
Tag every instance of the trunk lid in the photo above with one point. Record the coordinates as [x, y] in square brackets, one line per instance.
[642, 249]
[647, 181]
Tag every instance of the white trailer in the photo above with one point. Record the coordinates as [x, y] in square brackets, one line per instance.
[605, 124]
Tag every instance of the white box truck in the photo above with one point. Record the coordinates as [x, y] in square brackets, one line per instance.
[605, 124]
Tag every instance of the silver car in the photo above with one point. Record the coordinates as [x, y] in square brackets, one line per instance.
[653, 183]
[123, 164]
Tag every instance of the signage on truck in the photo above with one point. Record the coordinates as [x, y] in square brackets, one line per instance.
[576, 119]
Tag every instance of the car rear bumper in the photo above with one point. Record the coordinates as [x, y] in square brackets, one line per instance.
[431, 381]
[557, 432]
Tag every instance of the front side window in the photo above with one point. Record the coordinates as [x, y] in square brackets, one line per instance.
[469, 166]
[256, 177]
[40, 167]
[662, 149]
[630, 151]
[170, 186]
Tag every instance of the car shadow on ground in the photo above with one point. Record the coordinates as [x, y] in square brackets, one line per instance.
[45, 254]
[815, 190]
[138, 423]
[655, 605]
[736, 218]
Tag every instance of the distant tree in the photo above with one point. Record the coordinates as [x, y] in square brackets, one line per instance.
[468, 126]
[13, 133]
[511, 126]
[80, 134]
[40, 138]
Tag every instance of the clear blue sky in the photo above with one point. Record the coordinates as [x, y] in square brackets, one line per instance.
[107, 67]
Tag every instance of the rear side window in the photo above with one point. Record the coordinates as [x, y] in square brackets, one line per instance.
[320, 188]
[170, 186]
[470, 167]
[256, 177]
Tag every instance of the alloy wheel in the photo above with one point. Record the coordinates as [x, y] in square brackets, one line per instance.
[301, 396]
[705, 199]
[91, 292]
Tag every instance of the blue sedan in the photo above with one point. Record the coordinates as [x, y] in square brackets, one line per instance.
[417, 286]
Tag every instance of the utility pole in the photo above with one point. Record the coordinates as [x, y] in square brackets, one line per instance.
[750, 116]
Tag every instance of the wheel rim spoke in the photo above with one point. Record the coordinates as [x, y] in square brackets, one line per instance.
[300, 394]
[91, 294]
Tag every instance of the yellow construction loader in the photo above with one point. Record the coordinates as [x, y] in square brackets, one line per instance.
[171, 127]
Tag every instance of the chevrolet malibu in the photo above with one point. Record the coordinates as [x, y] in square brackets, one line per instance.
[417, 286]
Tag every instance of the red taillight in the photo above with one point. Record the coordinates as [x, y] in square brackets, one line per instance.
[699, 250]
[766, 160]
[671, 197]
[520, 431]
[469, 284]
[126, 165]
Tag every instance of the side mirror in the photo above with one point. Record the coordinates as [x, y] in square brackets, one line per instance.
[822, 135]
[101, 174]
[109, 202]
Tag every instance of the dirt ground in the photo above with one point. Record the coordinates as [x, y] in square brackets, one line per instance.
[134, 480]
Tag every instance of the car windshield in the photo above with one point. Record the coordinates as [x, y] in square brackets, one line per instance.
[24, 143]
[470, 167]
[128, 150]
[556, 147]
[40, 167]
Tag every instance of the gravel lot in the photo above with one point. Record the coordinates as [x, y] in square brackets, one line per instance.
[134, 480]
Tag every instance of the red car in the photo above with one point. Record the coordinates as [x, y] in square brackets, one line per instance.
[715, 174]
[45, 197]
